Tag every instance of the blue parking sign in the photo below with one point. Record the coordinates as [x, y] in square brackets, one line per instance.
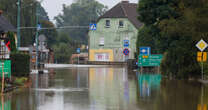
[144, 50]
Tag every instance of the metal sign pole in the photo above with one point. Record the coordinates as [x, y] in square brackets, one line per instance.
[202, 71]
[2, 87]
[78, 59]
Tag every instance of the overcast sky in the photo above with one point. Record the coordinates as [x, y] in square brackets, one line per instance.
[54, 7]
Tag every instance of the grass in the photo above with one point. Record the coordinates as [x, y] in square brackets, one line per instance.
[20, 81]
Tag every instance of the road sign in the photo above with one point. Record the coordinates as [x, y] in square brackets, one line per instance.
[8, 45]
[42, 38]
[144, 50]
[150, 60]
[93, 27]
[201, 56]
[201, 45]
[126, 43]
[39, 26]
[126, 51]
[5, 48]
[78, 50]
[7, 68]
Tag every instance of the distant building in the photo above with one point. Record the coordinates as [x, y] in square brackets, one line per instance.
[5, 27]
[116, 28]
[82, 57]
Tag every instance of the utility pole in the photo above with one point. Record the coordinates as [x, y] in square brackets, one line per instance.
[18, 22]
[36, 38]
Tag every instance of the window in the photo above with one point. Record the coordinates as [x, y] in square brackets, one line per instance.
[102, 41]
[121, 23]
[107, 23]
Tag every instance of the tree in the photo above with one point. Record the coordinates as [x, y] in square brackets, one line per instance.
[59, 50]
[28, 7]
[12, 45]
[179, 24]
[80, 13]
[50, 34]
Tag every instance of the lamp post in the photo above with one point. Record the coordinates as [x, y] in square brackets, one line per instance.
[37, 32]
[18, 22]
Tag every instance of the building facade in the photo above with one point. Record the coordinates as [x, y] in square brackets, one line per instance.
[116, 30]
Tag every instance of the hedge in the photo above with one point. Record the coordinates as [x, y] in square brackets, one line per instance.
[20, 64]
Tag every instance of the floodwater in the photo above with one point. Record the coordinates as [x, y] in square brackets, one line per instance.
[106, 89]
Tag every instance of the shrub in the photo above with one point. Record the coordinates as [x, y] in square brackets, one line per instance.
[20, 64]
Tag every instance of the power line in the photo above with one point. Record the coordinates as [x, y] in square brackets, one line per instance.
[63, 27]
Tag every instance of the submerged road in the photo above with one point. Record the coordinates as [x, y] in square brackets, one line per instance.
[106, 88]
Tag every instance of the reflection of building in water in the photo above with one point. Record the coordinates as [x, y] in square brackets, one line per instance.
[148, 83]
[54, 103]
[102, 84]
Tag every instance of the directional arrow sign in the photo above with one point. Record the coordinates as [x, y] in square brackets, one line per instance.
[150, 60]
[7, 68]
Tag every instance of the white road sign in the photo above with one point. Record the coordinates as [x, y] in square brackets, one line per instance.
[201, 45]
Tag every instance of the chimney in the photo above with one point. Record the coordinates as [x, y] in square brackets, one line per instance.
[125, 1]
[1, 12]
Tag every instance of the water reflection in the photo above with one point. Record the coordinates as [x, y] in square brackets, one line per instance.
[110, 89]
[5, 103]
[148, 83]
[106, 89]
[204, 102]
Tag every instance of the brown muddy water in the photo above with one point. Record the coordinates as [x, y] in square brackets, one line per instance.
[106, 89]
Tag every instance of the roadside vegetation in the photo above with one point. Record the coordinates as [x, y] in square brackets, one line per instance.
[80, 13]
[173, 27]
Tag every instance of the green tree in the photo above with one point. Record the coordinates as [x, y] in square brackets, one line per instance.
[62, 53]
[28, 19]
[50, 33]
[179, 25]
[12, 42]
[80, 13]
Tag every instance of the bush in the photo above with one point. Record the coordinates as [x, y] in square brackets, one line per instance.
[20, 64]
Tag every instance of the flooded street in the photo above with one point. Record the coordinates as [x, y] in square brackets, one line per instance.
[106, 89]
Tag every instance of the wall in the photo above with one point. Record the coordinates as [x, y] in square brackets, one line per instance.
[113, 38]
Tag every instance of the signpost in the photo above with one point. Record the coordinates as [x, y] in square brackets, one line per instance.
[39, 27]
[144, 50]
[126, 43]
[202, 56]
[126, 52]
[150, 60]
[78, 51]
[93, 27]
[5, 66]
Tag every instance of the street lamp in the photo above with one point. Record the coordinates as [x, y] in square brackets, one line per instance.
[38, 27]
[18, 23]
[36, 37]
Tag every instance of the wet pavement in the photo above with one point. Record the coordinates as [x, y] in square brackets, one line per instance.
[106, 89]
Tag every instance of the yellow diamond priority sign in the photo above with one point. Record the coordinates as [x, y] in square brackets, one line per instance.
[201, 45]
